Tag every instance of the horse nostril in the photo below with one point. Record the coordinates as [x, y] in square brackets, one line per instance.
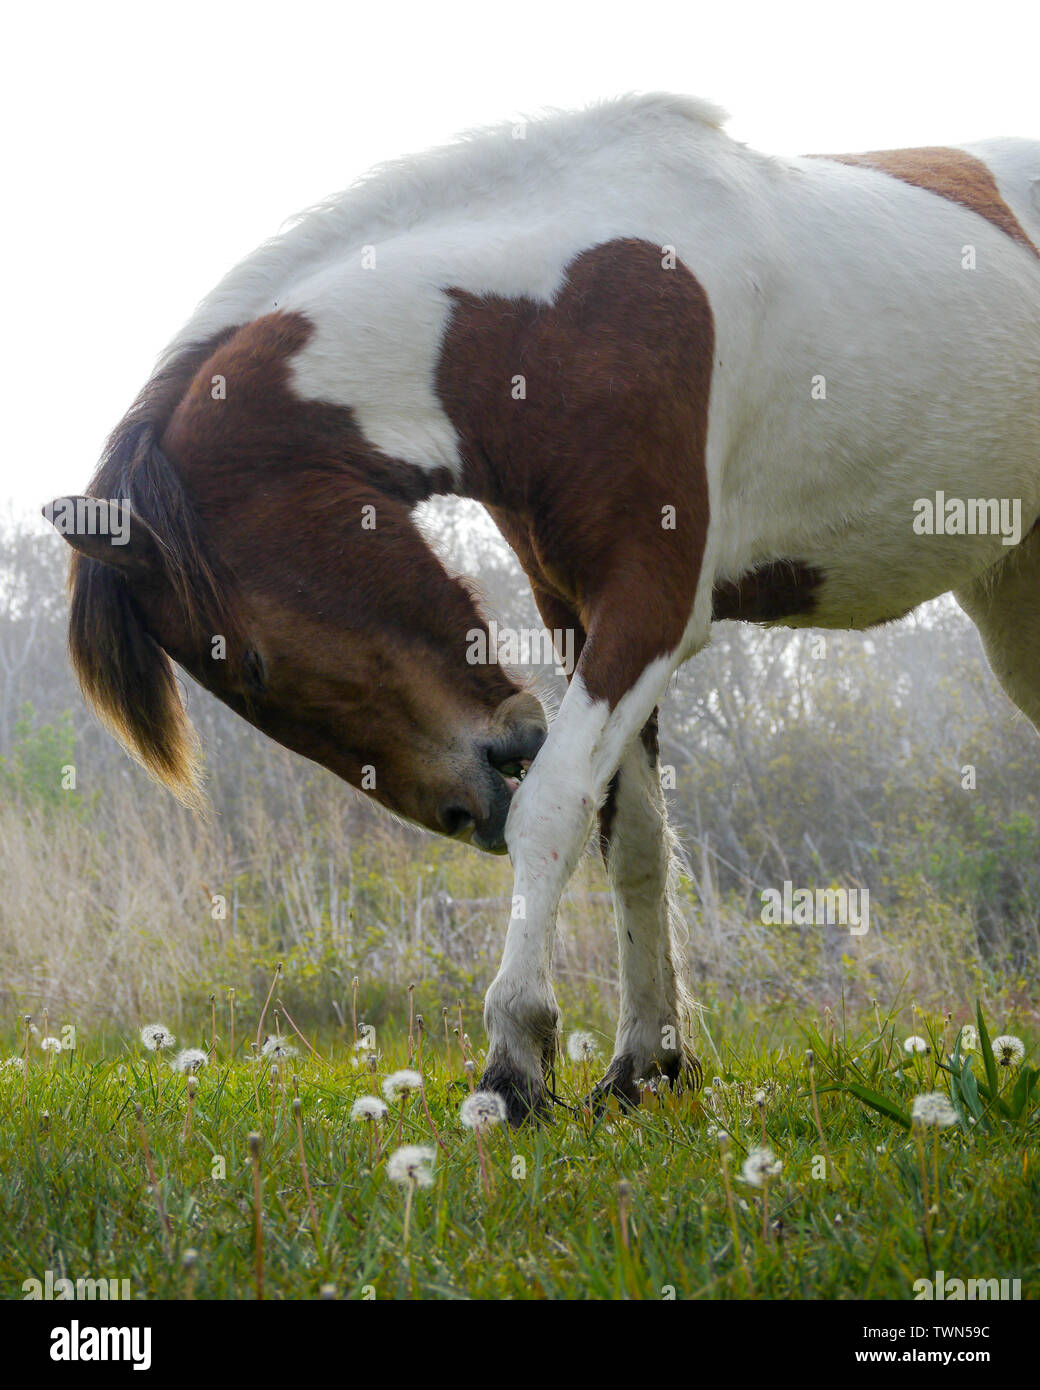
[454, 819]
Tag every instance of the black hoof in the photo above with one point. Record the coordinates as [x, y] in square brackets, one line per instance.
[684, 1072]
[525, 1099]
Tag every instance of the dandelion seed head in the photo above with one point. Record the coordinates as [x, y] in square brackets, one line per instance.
[582, 1047]
[51, 1044]
[275, 1046]
[933, 1110]
[914, 1043]
[482, 1110]
[760, 1165]
[469, 1066]
[759, 1098]
[401, 1083]
[412, 1164]
[368, 1108]
[1008, 1051]
[155, 1037]
[190, 1059]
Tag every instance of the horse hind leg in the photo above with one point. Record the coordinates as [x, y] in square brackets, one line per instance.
[1004, 605]
[638, 848]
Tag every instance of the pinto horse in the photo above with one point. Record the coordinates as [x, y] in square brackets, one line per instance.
[689, 382]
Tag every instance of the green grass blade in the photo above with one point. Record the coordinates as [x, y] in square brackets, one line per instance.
[989, 1061]
[878, 1102]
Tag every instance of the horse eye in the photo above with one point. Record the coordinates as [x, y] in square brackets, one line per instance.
[254, 677]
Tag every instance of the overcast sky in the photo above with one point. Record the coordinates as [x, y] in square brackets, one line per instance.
[149, 147]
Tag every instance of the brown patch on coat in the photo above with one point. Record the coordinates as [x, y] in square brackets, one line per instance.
[768, 594]
[612, 429]
[949, 173]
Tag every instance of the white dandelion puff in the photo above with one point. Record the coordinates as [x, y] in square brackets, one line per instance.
[155, 1037]
[482, 1110]
[401, 1083]
[914, 1043]
[411, 1166]
[759, 1097]
[190, 1060]
[1008, 1051]
[277, 1047]
[51, 1044]
[760, 1165]
[582, 1047]
[933, 1109]
[368, 1108]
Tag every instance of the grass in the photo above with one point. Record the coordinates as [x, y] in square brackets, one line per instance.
[103, 1173]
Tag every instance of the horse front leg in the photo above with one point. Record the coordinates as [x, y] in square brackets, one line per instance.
[548, 827]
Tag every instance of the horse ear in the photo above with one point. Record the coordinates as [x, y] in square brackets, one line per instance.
[107, 530]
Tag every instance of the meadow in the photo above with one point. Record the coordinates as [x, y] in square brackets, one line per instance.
[249, 1177]
[890, 765]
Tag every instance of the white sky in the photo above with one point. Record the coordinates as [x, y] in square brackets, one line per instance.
[150, 146]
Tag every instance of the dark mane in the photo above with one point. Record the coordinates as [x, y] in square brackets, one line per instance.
[124, 674]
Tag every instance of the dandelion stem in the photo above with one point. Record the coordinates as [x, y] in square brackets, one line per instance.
[409, 1192]
[186, 1131]
[166, 1225]
[484, 1182]
[306, 1178]
[925, 1198]
[422, 1094]
[25, 1061]
[810, 1058]
[302, 1039]
[255, 1142]
[733, 1219]
[263, 1011]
